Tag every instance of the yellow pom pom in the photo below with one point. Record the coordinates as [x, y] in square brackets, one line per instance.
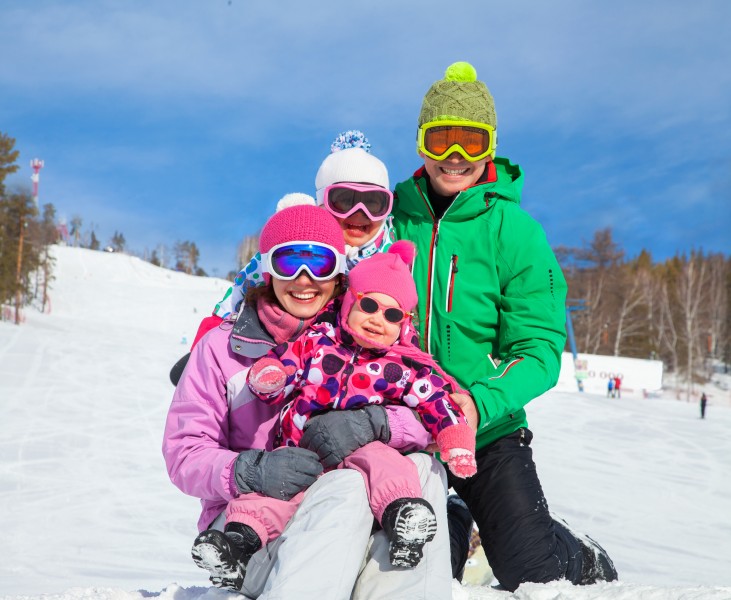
[460, 71]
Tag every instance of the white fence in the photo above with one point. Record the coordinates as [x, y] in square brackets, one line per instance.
[639, 377]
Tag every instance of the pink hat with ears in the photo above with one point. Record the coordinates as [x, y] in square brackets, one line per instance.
[385, 273]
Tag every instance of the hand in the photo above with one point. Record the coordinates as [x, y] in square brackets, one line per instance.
[267, 376]
[279, 474]
[338, 433]
[467, 403]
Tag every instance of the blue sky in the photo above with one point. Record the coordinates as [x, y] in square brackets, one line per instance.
[187, 120]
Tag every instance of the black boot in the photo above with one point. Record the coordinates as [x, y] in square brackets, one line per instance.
[409, 523]
[225, 555]
[596, 565]
[460, 525]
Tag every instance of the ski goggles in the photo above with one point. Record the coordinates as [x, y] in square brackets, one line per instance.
[343, 199]
[286, 261]
[371, 306]
[474, 141]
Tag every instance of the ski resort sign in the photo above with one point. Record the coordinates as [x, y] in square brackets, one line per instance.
[638, 377]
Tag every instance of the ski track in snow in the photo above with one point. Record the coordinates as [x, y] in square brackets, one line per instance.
[87, 509]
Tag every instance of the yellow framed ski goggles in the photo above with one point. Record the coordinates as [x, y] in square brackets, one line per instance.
[474, 141]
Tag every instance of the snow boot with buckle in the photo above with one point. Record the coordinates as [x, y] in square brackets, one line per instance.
[225, 554]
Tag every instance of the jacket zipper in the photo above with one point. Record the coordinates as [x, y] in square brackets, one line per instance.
[426, 333]
[453, 270]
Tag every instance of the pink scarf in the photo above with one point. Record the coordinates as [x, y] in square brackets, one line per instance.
[279, 323]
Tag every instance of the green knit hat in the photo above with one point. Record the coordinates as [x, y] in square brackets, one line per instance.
[459, 96]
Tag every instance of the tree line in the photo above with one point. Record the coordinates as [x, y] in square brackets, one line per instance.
[677, 310]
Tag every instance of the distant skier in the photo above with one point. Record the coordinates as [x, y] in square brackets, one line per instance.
[610, 388]
[704, 401]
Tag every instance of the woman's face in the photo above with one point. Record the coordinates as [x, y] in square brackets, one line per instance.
[358, 229]
[303, 297]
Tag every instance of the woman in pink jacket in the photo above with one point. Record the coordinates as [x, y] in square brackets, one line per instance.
[219, 444]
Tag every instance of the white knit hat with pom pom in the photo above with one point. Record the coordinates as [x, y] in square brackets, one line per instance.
[350, 161]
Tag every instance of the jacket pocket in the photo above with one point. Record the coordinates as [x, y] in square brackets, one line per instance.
[452, 276]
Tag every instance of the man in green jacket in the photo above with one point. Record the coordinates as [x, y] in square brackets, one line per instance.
[492, 312]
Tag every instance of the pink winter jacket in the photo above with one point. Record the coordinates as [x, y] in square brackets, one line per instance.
[214, 416]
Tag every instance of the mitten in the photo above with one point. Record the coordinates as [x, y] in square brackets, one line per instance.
[336, 434]
[279, 474]
[457, 444]
[267, 377]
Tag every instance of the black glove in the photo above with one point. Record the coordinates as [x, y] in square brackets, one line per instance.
[338, 433]
[279, 474]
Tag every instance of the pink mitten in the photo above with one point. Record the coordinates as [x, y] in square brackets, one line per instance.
[267, 377]
[457, 444]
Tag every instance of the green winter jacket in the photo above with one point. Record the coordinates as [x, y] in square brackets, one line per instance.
[491, 294]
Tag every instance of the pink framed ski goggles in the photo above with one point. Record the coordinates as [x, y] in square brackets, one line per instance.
[343, 199]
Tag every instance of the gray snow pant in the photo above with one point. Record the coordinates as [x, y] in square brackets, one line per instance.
[327, 551]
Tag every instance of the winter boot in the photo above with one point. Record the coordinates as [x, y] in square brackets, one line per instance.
[596, 565]
[225, 555]
[409, 523]
[460, 525]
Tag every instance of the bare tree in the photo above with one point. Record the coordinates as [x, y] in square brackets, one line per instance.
[718, 315]
[633, 296]
[692, 293]
[248, 247]
[75, 229]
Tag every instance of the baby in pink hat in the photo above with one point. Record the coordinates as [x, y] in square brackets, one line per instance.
[366, 353]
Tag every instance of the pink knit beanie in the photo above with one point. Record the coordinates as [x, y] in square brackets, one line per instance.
[301, 223]
[387, 273]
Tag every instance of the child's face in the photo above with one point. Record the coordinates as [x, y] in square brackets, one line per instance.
[454, 173]
[370, 328]
[303, 297]
[358, 229]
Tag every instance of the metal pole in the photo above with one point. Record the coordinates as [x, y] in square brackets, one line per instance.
[18, 271]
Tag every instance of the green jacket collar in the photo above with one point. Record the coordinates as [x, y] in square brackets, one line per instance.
[507, 184]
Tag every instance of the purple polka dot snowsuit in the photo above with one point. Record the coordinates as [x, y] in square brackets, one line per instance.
[334, 373]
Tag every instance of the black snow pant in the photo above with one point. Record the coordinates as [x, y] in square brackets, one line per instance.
[522, 542]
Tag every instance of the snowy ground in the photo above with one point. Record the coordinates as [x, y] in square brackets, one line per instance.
[87, 510]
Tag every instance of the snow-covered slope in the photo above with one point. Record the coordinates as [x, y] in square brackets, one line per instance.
[87, 510]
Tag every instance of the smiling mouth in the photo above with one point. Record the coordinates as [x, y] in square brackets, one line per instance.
[303, 296]
[361, 228]
[372, 332]
[454, 171]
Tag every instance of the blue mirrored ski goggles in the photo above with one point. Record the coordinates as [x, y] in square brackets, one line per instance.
[286, 261]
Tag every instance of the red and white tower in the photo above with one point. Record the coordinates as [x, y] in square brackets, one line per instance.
[36, 164]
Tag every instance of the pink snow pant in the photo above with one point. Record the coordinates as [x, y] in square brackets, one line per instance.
[387, 474]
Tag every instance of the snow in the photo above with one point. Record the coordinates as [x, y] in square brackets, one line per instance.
[87, 510]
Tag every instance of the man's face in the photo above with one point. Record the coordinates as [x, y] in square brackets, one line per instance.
[454, 173]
